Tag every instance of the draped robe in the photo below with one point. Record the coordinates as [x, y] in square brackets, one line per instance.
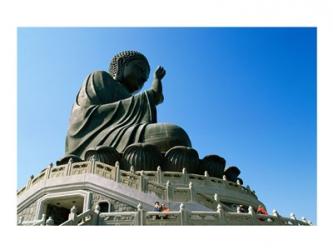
[105, 113]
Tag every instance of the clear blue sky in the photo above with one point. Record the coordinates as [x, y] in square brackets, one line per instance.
[247, 94]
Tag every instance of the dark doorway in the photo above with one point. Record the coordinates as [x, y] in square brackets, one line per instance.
[58, 214]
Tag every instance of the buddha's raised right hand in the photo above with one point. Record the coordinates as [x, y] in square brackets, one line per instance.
[159, 73]
[157, 84]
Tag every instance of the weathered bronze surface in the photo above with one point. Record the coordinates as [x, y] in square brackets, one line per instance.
[108, 112]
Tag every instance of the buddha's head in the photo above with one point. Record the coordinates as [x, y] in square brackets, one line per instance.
[130, 68]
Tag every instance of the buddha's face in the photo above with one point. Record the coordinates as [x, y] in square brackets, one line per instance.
[135, 74]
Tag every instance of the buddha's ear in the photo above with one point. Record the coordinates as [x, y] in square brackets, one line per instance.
[121, 61]
[119, 73]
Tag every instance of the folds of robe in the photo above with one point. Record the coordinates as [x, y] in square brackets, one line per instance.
[105, 113]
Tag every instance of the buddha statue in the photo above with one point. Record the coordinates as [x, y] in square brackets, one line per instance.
[110, 111]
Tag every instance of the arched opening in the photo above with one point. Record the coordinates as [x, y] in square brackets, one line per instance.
[104, 206]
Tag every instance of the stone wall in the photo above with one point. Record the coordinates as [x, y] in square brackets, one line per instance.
[116, 206]
[29, 212]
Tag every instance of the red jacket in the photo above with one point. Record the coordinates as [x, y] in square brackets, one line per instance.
[262, 210]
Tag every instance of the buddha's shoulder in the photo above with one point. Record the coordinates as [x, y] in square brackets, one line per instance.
[102, 83]
[101, 73]
[100, 77]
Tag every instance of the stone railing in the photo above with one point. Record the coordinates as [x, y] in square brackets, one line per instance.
[180, 217]
[41, 222]
[119, 219]
[169, 186]
[88, 217]
[184, 178]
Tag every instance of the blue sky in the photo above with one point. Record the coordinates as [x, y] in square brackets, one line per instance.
[247, 94]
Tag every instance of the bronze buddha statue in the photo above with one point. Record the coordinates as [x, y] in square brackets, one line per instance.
[108, 110]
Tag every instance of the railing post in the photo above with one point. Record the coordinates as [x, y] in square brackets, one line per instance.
[206, 174]
[183, 214]
[277, 217]
[20, 220]
[190, 187]
[159, 175]
[216, 198]
[309, 222]
[304, 220]
[95, 215]
[30, 181]
[142, 183]
[48, 171]
[275, 213]
[253, 215]
[185, 176]
[220, 212]
[169, 194]
[140, 215]
[73, 215]
[49, 222]
[44, 219]
[251, 210]
[293, 218]
[68, 167]
[117, 166]
[93, 164]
